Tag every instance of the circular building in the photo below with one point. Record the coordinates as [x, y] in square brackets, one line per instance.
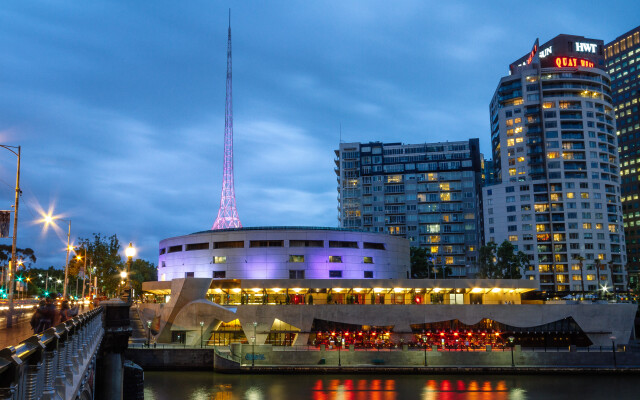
[284, 253]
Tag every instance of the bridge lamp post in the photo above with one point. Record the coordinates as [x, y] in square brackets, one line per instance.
[130, 252]
[201, 333]
[123, 277]
[511, 339]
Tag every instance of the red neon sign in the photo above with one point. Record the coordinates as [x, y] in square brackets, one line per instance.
[532, 53]
[562, 62]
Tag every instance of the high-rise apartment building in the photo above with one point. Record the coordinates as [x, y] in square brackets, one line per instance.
[555, 153]
[428, 193]
[623, 64]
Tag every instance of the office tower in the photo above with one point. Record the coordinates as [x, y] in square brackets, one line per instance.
[623, 64]
[555, 153]
[428, 193]
[227, 213]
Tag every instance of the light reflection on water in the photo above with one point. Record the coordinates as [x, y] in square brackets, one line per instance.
[210, 386]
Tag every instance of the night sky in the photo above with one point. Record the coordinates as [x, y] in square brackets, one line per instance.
[119, 106]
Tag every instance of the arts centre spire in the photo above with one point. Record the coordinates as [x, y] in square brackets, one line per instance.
[228, 214]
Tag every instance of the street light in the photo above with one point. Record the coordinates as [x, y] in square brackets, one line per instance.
[12, 264]
[148, 333]
[339, 347]
[201, 327]
[130, 252]
[511, 339]
[613, 350]
[424, 339]
[253, 346]
[48, 219]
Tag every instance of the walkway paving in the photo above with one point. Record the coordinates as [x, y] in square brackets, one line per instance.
[20, 330]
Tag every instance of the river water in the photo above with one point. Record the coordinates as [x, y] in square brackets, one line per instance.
[211, 386]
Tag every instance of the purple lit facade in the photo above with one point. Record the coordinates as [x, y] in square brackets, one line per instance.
[283, 253]
[228, 214]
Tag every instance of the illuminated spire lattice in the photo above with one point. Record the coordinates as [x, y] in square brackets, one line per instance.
[228, 214]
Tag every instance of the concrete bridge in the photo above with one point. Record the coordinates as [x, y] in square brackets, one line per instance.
[81, 358]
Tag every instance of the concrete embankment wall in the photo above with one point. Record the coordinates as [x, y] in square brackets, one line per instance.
[265, 355]
[172, 359]
[202, 359]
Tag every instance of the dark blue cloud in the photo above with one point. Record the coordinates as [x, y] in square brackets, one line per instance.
[119, 106]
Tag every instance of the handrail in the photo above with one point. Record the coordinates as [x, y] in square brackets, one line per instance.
[32, 368]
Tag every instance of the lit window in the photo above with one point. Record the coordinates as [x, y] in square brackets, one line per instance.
[219, 259]
[584, 195]
[586, 225]
[512, 171]
[510, 142]
[513, 238]
[335, 259]
[296, 258]
[368, 260]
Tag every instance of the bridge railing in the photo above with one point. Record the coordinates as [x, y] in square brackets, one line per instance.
[52, 365]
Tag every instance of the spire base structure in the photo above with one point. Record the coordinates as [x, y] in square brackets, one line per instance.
[228, 214]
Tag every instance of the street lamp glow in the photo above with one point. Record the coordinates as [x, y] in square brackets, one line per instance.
[48, 219]
[130, 251]
[123, 274]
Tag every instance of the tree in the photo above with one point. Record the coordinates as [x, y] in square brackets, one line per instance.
[487, 262]
[27, 256]
[510, 262]
[581, 263]
[104, 253]
[42, 281]
[420, 264]
[142, 271]
[501, 262]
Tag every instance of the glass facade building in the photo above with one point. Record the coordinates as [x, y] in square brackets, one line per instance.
[555, 154]
[428, 193]
[623, 64]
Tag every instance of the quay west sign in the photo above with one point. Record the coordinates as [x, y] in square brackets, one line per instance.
[562, 62]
